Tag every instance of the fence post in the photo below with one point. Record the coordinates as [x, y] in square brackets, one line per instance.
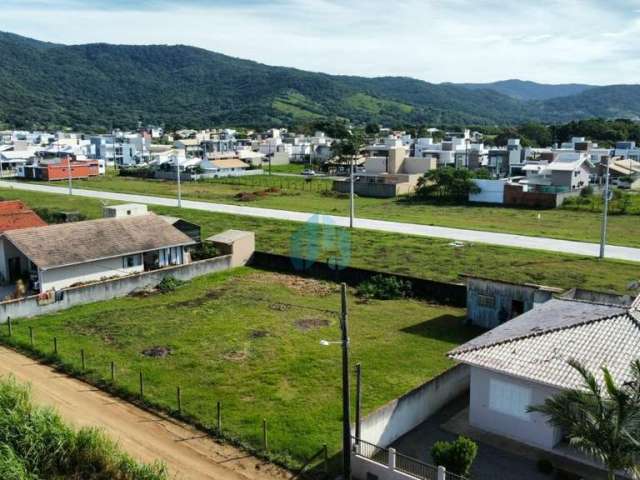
[82, 359]
[264, 434]
[113, 372]
[392, 459]
[55, 345]
[31, 336]
[10, 326]
[179, 399]
[141, 386]
[326, 459]
[442, 473]
[219, 407]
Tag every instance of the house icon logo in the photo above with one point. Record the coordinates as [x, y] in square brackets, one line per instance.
[320, 240]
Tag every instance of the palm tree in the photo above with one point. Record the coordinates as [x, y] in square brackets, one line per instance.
[602, 422]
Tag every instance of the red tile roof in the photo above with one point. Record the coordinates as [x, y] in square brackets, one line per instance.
[15, 215]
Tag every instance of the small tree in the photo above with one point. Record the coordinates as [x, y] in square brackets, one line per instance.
[447, 183]
[603, 423]
[457, 456]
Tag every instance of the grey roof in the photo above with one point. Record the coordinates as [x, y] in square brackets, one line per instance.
[79, 242]
[552, 315]
[229, 236]
[612, 342]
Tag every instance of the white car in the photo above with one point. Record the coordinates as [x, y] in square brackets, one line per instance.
[309, 172]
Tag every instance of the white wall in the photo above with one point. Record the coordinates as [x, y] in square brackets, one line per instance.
[402, 415]
[533, 430]
[375, 165]
[491, 191]
[62, 277]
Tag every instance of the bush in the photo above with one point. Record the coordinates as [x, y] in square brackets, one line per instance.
[169, 284]
[57, 216]
[545, 466]
[384, 287]
[204, 250]
[457, 456]
[586, 191]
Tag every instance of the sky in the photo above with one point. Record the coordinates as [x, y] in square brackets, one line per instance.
[548, 41]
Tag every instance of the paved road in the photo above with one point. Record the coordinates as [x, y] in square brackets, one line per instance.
[147, 437]
[501, 239]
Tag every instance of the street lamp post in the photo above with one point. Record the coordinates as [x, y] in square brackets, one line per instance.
[178, 179]
[346, 402]
[352, 203]
[605, 213]
[346, 421]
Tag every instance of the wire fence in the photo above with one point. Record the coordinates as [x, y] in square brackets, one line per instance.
[109, 376]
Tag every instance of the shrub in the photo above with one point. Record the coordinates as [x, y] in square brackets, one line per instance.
[204, 250]
[36, 443]
[586, 191]
[384, 287]
[457, 456]
[169, 284]
[545, 466]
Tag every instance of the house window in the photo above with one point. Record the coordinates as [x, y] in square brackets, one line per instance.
[488, 301]
[509, 399]
[131, 261]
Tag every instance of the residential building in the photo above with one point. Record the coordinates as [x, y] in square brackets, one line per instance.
[524, 361]
[67, 254]
[62, 169]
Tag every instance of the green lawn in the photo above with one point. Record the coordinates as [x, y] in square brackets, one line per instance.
[411, 255]
[316, 196]
[251, 339]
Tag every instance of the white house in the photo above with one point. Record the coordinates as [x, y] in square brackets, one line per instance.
[62, 255]
[524, 361]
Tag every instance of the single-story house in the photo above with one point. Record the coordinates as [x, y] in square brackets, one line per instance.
[62, 255]
[524, 361]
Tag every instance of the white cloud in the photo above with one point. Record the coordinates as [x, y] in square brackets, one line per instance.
[454, 40]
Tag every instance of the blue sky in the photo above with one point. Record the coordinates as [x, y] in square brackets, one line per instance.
[552, 41]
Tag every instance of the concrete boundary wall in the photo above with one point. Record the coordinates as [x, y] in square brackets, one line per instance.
[109, 289]
[400, 416]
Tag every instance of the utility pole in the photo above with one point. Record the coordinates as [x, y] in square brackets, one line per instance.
[605, 213]
[358, 401]
[178, 179]
[346, 422]
[352, 203]
[70, 176]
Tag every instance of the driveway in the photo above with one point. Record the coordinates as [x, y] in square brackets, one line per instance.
[491, 463]
[189, 454]
[476, 236]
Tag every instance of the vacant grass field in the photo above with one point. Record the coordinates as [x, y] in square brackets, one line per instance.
[411, 255]
[251, 340]
[316, 196]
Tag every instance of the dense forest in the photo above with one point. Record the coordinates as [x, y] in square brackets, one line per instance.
[100, 86]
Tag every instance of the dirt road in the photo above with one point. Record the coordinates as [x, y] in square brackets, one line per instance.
[188, 453]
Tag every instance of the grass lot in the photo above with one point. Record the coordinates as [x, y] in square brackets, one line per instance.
[411, 255]
[251, 339]
[315, 196]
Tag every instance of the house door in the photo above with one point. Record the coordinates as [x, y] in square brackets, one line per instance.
[14, 269]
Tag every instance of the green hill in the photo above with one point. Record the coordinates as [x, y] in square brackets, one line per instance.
[98, 86]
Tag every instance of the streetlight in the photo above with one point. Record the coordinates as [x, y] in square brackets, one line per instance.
[605, 213]
[352, 203]
[177, 157]
[346, 422]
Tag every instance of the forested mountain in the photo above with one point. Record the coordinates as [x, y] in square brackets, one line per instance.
[98, 86]
[526, 90]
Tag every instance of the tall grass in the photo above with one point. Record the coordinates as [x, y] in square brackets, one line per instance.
[35, 443]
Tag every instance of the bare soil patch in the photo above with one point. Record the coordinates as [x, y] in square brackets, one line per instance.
[301, 285]
[306, 324]
[157, 352]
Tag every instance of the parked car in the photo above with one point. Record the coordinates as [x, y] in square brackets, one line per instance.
[309, 172]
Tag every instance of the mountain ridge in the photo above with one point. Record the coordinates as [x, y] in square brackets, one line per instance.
[102, 85]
